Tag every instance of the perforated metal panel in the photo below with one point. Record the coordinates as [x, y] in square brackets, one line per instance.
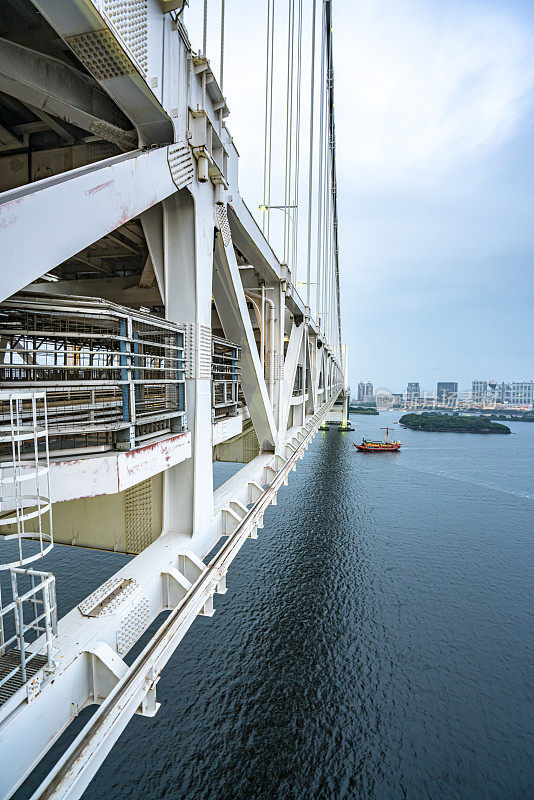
[129, 18]
[101, 54]
[109, 597]
[278, 368]
[204, 351]
[189, 350]
[138, 516]
[251, 447]
[123, 139]
[132, 625]
[181, 164]
[197, 341]
[224, 226]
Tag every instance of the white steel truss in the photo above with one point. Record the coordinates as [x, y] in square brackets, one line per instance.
[122, 199]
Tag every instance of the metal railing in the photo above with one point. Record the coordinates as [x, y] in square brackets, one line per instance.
[83, 757]
[26, 533]
[225, 375]
[32, 613]
[113, 376]
[25, 505]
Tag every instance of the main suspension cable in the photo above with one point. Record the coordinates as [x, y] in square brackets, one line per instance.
[320, 195]
[332, 144]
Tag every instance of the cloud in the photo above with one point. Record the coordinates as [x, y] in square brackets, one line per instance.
[434, 120]
[428, 85]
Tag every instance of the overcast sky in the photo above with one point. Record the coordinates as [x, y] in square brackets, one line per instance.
[435, 132]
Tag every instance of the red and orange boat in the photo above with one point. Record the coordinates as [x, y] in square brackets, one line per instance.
[378, 447]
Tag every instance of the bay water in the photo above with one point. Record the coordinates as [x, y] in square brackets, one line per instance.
[375, 641]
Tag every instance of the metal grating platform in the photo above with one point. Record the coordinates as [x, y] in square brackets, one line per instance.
[8, 662]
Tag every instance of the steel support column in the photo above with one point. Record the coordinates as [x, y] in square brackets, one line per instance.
[188, 254]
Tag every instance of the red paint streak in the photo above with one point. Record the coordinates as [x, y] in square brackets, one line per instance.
[136, 461]
[126, 215]
[99, 188]
[9, 209]
[165, 449]
[16, 202]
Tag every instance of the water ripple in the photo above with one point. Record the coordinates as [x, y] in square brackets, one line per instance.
[373, 644]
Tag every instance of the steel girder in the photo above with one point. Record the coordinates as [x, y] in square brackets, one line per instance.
[85, 204]
[61, 90]
[232, 307]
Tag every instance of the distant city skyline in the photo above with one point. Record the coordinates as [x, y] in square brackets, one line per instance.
[477, 385]
[422, 387]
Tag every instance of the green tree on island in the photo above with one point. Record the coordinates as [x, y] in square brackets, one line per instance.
[442, 423]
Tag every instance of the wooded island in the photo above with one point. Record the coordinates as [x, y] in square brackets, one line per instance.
[444, 423]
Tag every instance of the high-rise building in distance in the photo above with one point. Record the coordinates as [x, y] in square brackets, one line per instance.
[365, 391]
[479, 391]
[447, 393]
[522, 393]
[413, 392]
[516, 393]
[503, 393]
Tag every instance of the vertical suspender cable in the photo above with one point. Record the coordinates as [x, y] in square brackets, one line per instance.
[289, 127]
[326, 215]
[291, 144]
[326, 224]
[327, 265]
[222, 46]
[204, 45]
[310, 172]
[264, 207]
[327, 250]
[320, 195]
[332, 290]
[297, 146]
[270, 124]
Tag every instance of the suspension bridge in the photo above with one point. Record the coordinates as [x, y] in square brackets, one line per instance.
[151, 324]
